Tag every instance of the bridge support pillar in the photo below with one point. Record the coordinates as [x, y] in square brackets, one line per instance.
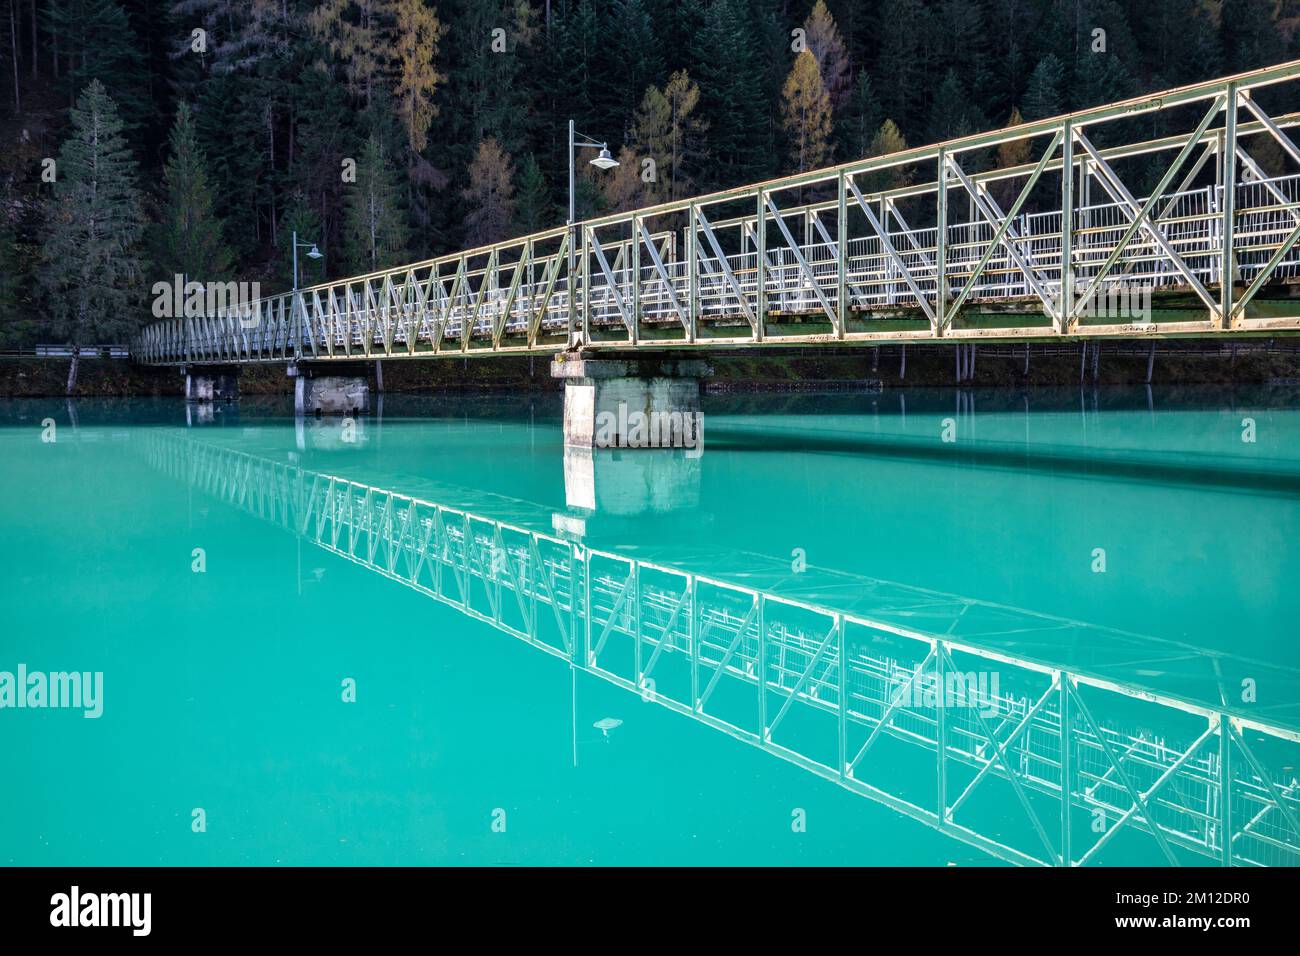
[642, 402]
[210, 384]
[333, 394]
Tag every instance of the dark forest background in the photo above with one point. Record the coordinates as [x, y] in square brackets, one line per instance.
[148, 138]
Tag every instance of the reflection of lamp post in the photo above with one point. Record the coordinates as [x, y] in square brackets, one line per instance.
[314, 253]
[603, 161]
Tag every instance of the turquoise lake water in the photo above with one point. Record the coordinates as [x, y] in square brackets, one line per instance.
[1145, 539]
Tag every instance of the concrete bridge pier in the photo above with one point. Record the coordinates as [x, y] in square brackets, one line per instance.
[343, 391]
[641, 402]
[211, 383]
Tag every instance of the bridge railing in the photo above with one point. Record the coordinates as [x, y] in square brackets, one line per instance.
[927, 243]
[1014, 756]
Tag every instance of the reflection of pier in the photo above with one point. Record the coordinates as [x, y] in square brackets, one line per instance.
[978, 743]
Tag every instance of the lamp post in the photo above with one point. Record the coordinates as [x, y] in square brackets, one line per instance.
[314, 253]
[602, 161]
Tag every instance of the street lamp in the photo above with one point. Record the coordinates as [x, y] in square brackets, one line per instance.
[602, 161]
[313, 253]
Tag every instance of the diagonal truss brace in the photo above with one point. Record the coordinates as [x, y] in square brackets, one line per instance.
[1142, 215]
[883, 234]
[644, 236]
[804, 267]
[1004, 226]
[724, 266]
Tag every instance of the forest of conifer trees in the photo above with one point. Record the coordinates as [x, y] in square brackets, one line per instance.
[153, 138]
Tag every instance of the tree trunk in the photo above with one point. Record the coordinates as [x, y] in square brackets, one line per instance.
[72, 372]
[13, 42]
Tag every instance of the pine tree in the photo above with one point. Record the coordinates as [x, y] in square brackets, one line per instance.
[951, 111]
[490, 195]
[188, 241]
[732, 99]
[825, 43]
[903, 60]
[860, 121]
[534, 210]
[806, 115]
[1044, 96]
[96, 42]
[375, 231]
[94, 225]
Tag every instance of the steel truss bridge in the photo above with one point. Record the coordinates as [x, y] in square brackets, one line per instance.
[1031, 763]
[919, 245]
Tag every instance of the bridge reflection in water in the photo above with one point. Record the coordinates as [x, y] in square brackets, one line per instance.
[974, 740]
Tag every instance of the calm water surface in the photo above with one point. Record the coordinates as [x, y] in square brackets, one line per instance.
[933, 511]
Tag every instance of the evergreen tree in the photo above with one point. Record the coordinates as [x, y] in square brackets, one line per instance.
[375, 231]
[188, 241]
[903, 60]
[1249, 36]
[857, 128]
[490, 195]
[951, 112]
[1045, 96]
[96, 42]
[732, 99]
[806, 115]
[94, 225]
[534, 210]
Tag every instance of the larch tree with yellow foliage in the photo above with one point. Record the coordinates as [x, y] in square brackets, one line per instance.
[806, 115]
[418, 79]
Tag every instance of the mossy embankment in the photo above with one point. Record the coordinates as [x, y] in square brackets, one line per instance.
[773, 370]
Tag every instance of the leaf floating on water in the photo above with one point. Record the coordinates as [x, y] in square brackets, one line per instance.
[606, 724]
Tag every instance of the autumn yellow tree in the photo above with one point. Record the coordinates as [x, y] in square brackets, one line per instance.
[354, 31]
[490, 195]
[668, 134]
[806, 115]
[825, 43]
[888, 140]
[417, 78]
[1016, 152]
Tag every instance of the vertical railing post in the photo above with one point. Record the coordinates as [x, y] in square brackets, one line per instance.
[584, 273]
[635, 305]
[1065, 301]
[760, 244]
[842, 255]
[941, 246]
[692, 275]
[1227, 271]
